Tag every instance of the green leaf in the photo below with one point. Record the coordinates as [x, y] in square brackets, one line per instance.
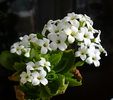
[52, 75]
[79, 63]
[31, 92]
[52, 87]
[44, 94]
[35, 54]
[55, 58]
[35, 92]
[57, 86]
[73, 81]
[66, 63]
[7, 60]
[63, 84]
[69, 74]
[39, 36]
[82, 23]
[18, 66]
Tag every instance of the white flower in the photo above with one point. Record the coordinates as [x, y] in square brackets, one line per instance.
[94, 59]
[44, 30]
[24, 77]
[35, 80]
[88, 19]
[97, 39]
[52, 27]
[26, 52]
[39, 78]
[71, 32]
[17, 48]
[91, 49]
[38, 66]
[58, 41]
[84, 18]
[25, 41]
[35, 74]
[44, 43]
[45, 63]
[41, 70]
[23, 47]
[82, 52]
[85, 36]
[33, 38]
[30, 66]
[101, 49]
[62, 25]
[71, 17]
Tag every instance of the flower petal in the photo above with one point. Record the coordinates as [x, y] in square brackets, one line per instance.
[44, 50]
[96, 63]
[83, 57]
[40, 42]
[62, 46]
[48, 68]
[53, 45]
[71, 39]
[35, 82]
[89, 60]
[52, 36]
[44, 81]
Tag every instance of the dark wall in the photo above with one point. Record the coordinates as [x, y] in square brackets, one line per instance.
[97, 82]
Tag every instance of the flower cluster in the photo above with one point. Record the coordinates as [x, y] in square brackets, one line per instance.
[77, 29]
[35, 72]
[47, 62]
[23, 47]
[74, 28]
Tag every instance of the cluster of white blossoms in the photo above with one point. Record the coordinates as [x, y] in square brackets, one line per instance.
[23, 46]
[76, 29]
[36, 72]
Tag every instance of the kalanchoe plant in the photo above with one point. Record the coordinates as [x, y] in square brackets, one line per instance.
[46, 64]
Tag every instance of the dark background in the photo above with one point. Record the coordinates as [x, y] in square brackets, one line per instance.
[97, 82]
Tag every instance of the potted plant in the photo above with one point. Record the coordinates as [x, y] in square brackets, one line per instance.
[45, 64]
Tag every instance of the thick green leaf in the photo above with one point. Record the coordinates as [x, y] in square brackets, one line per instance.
[55, 58]
[18, 66]
[44, 94]
[73, 81]
[66, 63]
[79, 63]
[35, 54]
[69, 74]
[32, 92]
[82, 24]
[39, 36]
[52, 76]
[7, 60]
[57, 86]
[52, 87]
[63, 84]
